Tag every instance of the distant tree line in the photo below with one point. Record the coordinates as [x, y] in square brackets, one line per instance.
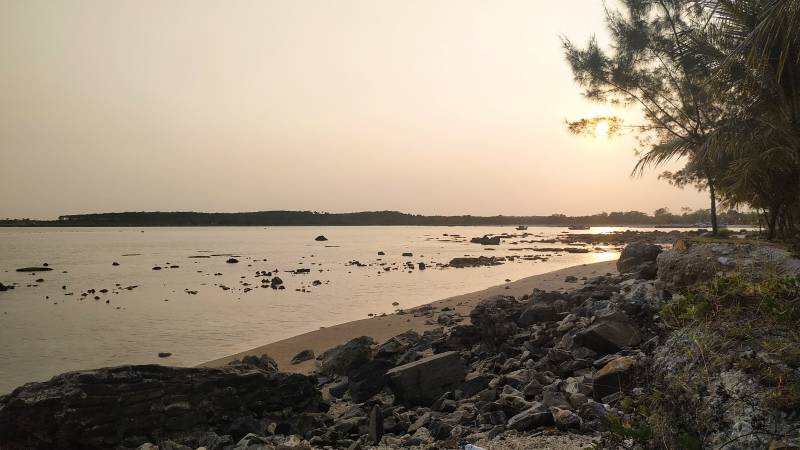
[661, 216]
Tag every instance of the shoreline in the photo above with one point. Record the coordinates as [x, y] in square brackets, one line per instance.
[382, 328]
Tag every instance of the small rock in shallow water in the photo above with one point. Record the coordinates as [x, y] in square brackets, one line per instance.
[320, 238]
[164, 354]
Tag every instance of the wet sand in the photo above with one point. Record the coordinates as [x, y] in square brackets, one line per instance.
[384, 327]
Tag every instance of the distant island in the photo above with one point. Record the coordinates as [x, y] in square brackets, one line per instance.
[661, 217]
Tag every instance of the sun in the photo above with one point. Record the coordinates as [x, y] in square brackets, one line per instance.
[601, 128]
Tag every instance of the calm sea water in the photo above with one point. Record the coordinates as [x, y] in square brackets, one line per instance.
[44, 331]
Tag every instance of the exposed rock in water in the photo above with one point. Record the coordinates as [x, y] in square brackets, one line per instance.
[164, 354]
[4, 288]
[486, 240]
[320, 238]
[34, 269]
[232, 261]
[105, 408]
[476, 261]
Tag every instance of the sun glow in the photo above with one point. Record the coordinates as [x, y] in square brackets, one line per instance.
[601, 129]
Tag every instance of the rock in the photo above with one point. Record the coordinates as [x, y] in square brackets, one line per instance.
[275, 283]
[375, 425]
[304, 355]
[475, 262]
[320, 238]
[344, 358]
[102, 408]
[407, 254]
[612, 377]
[396, 346]
[263, 362]
[422, 266]
[34, 269]
[535, 416]
[4, 288]
[495, 318]
[690, 262]
[565, 419]
[609, 334]
[421, 382]
[114, 263]
[570, 279]
[486, 240]
[639, 258]
[232, 261]
[164, 354]
[368, 379]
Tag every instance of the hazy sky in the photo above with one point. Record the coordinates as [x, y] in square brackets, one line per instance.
[422, 106]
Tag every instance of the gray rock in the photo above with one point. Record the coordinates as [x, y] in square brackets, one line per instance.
[495, 317]
[612, 377]
[422, 382]
[535, 416]
[341, 359]
[639, 258]
[101, 408]
[375, 425]
[304, 355]
[565, 419]
[609, 334]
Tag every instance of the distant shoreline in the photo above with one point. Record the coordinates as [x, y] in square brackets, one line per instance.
[374, 218]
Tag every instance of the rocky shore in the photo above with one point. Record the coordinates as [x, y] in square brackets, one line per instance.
[615, 362]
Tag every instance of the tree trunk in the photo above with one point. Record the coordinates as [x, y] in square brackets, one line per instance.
[714, 226]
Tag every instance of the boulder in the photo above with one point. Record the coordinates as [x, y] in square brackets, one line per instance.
[320, 238]
[639, 258]
[421, 382]
[344, 358]
[496, 317]
[609, 334]
[101, 408]
[369, 379]
[612, 377]
[396, 346]
[535, 416]
[4, 288]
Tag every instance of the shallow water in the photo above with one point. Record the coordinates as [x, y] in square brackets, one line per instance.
[44, 332]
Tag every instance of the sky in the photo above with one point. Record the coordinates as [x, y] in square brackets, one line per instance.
[421, 106]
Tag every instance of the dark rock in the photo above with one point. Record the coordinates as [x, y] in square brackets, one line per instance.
[275, 283]
[164, 354]
[263, 362]
[339, 388]
[375, 425]
[4, 288]
[232, 261]
[398, 345]
[638, 255]
[476, 261]
[344, 358]
[34, 269]
[368, 379]
[421, 382]
[486, 240]
[407, 254]
[565, 419]
[612, 377]
[102, 408]
[304, 355]
[535, 416]
[320, 238]
[609, 334]
[495, 318]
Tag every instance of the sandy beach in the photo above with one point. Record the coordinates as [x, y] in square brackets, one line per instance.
[384, 327]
